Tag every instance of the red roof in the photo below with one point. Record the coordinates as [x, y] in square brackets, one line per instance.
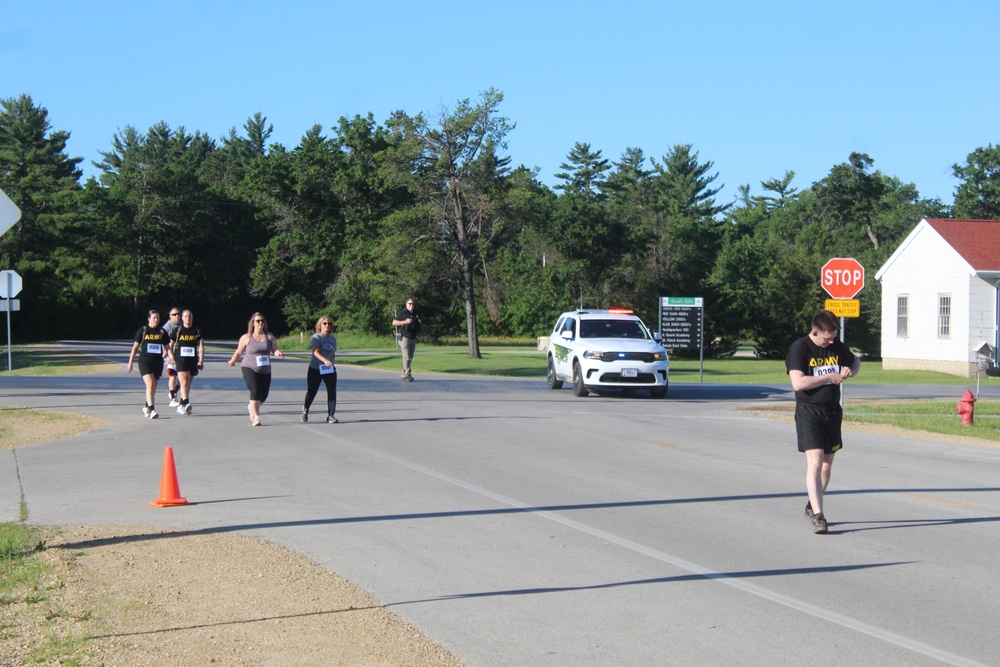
[977, 241]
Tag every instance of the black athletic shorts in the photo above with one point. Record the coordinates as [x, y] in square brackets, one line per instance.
[151, 367]
[187, 365]
[818, 427]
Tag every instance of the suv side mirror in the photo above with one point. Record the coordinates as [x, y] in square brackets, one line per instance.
[566, 334]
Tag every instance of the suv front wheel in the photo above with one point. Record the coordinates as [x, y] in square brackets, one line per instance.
[579, 389]
[553, 379]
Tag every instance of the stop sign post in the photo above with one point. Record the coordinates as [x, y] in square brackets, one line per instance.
[10, 286]
[10, 281]
[842, 278]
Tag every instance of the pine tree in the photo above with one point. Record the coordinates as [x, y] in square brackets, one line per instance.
[37, 175]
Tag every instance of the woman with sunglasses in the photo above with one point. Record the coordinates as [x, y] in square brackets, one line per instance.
[169, 327]
[321, 368]
[257, 346]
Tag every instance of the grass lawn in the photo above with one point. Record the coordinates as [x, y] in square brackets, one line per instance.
[936, 416]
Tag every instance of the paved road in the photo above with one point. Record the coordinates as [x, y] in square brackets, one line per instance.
[519, 526]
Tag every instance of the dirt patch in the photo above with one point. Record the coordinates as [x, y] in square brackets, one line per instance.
[20, 427]
[146, 596]
[133, 596]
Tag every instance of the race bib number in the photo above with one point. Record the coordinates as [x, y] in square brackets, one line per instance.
[153, 348]
[826, 370]
[187, 351]
[263, 360]
[326, 370]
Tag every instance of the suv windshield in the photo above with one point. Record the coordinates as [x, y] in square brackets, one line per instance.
[613, 329]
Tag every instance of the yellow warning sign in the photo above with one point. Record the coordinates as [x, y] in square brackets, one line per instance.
[844, 307]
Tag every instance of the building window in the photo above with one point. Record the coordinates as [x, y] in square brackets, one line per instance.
[944, 315]
[902, 304]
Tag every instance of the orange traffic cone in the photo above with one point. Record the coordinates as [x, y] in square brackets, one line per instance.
[170, 492]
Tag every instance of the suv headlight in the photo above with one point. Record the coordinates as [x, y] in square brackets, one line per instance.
[591, 354]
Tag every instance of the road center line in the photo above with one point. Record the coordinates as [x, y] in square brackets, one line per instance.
[939, 500]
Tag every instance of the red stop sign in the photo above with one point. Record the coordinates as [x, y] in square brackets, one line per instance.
[842, 277]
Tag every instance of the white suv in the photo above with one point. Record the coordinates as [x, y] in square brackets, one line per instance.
[600, 350]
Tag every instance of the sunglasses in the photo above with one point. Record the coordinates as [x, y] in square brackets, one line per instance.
[258, 321]
[174, 314]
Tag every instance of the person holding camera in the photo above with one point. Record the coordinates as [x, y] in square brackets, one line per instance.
[408, 326]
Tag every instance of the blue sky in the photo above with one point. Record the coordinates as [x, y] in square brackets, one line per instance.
[755, 88]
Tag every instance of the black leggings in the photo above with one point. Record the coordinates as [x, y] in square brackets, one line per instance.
[259, 384]
[313, 379]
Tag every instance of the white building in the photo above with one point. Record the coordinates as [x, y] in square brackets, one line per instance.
[940, 297]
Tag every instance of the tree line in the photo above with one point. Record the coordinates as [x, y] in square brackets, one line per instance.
[356, 218]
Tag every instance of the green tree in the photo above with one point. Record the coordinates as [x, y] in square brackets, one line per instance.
[36, 174]
[170, 233]
[584, 172]
[227, 166]
[365, 289]
[628, 183]
[681, 235]
[978, 196]
[296, 195]
[454, 169]
[47, 246]
[526, 292]
[784, 193]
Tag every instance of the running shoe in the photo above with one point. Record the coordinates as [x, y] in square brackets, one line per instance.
[304, 416]
[809, 510]
[819, 524]
[153, 414]
[145, 411]
[180, 409]
[187, 409]
[332, 420]
[174, 402]
[255, 421]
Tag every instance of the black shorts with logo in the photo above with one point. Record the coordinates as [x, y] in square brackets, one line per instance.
[818, 427]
